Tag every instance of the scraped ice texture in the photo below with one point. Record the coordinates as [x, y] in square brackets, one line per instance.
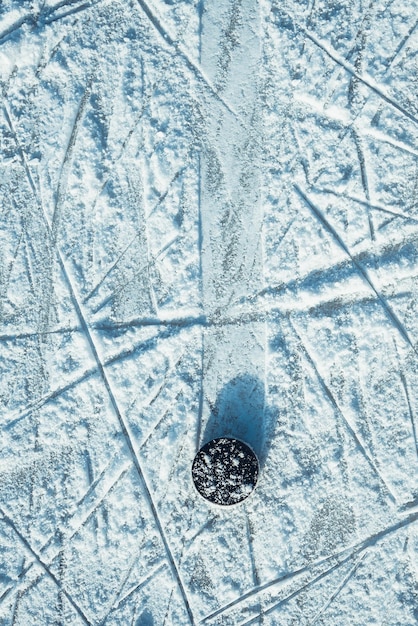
[207, 205]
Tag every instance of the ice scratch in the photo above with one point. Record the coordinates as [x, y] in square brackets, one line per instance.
[197, 71]
[351, 550]
[45, 567]
[361, 270]
[157, 570]
[343, 583]
[339, 412]
[124, 427]
[123, 253]
[366, 80]
[410, 411]
[75, 522]
[66, 163]
[298, 591]
[371, 205]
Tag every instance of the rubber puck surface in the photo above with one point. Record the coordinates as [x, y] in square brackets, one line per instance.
[225, 471]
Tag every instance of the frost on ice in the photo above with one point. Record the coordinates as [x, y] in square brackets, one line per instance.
[208, 214]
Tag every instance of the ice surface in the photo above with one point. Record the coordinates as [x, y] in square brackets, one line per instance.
[208, 228]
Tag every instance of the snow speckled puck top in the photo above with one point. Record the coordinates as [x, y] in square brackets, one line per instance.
[225, 471]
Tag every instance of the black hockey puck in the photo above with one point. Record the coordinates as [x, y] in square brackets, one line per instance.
[225, 471]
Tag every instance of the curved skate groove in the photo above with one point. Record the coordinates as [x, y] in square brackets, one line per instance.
[101, 368]
[352, 551]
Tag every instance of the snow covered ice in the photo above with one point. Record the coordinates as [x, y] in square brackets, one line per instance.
[208, 228]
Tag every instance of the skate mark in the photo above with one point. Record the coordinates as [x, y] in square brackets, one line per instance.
[9, 30]
[140, 347]
[364, 180]
[142, 583]
[167, 609]
[371, 205]
[142, 268]
[30, 334]
[201, 393]
[352, 551]
[361, 270]
[23, 414]
[51, 17]
[402, 43]
[124, 427]
[196, 70]
[118, 595]
[298, 591]
[123, 253]
[98, 504]
[75, 522]
[351, 430]
[340, 587]
[200, 248]
[382, 137]
[366, 80]
[410, 411]
[45, 567]
[45, 17]
[67, 160]
[255, 575]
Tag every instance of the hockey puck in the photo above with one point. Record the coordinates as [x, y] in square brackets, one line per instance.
[225, 471]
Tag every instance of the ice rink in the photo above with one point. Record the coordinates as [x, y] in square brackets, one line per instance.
[209, 227]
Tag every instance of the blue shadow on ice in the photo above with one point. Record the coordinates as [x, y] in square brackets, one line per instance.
[240, 412]
[145, 619]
